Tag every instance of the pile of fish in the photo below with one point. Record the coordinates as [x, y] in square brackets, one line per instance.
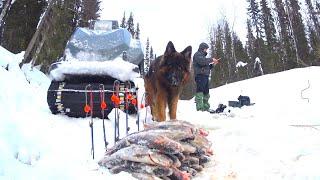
[164, 150]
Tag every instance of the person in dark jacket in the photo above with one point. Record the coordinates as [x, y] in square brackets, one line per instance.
[202, 70]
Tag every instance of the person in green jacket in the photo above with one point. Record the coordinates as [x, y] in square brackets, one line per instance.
[202, 70]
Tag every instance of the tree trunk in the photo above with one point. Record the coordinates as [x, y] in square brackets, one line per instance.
[37, 38]
[4, 10]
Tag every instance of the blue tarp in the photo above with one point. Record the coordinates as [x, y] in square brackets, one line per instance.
[101, 45]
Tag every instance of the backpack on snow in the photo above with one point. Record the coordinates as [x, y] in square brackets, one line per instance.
[244, 100]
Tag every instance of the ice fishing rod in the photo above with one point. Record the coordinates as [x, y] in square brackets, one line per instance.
[116, 101]
[144, 98]
[103, 106]
[135, 103]
[128, 97]
[87, 109]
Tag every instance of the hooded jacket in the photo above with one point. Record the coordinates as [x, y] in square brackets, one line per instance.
[201, 64]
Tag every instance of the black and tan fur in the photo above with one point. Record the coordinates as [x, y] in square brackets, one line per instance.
[165, 79]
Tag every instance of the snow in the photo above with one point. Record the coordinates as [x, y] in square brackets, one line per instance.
[8, 58]
[91, 32]
[241, 64]
[277, 138]
[257, 66]
[116, 68]
[257, 60]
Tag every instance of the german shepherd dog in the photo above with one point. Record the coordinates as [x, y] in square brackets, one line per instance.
[165, 79]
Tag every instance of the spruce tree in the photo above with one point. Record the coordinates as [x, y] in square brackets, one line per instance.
[314, 44]
[90, 11]
[137, 32]
[255, 15]
[250, 47]
[123, 21]
[288, 54]
[62, 25]
[299, 32]
[130, 25]
[146, 57]
[21, 23]
[219, 76]
[212, 42]
[256, 20]
[270, 32]
[151, 54]
[231, 66]
[313, 15]
[240, 55]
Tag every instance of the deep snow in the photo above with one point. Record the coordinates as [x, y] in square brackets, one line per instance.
[277, 138]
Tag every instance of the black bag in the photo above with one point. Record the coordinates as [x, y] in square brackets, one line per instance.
[244, 100]
[220, 108]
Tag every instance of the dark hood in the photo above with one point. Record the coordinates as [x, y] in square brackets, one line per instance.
[203, 46]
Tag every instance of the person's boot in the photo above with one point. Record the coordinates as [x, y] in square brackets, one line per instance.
[206, 105]
[199, 101]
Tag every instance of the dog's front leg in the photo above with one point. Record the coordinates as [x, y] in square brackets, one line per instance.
[173, 103]
[161, 107]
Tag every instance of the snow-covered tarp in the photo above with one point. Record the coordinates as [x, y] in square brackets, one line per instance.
[117, 68]
[101, 45]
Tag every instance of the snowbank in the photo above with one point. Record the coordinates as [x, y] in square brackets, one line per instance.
[8, 58]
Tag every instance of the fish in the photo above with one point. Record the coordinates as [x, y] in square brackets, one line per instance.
[158, 171]
[197, 167]
[143, 176]
[175, 160]
[172, 124]
[189, 170]
[203, 159]
[190, 161]
[188, 148]
[165, 178]
[137, 153]
[177, 134]
[141, 168]
[203, 145]
[179, 175]
[110, 162]
[175, 150]
[156, 142]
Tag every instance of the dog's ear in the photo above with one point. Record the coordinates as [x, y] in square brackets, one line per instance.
[169, 49]
[187, 52]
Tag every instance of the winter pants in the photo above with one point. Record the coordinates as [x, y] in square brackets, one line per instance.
[202, 82]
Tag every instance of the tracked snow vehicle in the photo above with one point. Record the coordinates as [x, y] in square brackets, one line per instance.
[97, 72]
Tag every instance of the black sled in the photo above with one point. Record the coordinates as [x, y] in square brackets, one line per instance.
[68, 94]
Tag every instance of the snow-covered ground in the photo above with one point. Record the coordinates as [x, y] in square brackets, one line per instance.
[277, 138]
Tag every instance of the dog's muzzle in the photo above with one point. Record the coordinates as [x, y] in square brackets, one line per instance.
[173, 79]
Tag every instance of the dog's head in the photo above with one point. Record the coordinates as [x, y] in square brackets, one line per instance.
[175, 66]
